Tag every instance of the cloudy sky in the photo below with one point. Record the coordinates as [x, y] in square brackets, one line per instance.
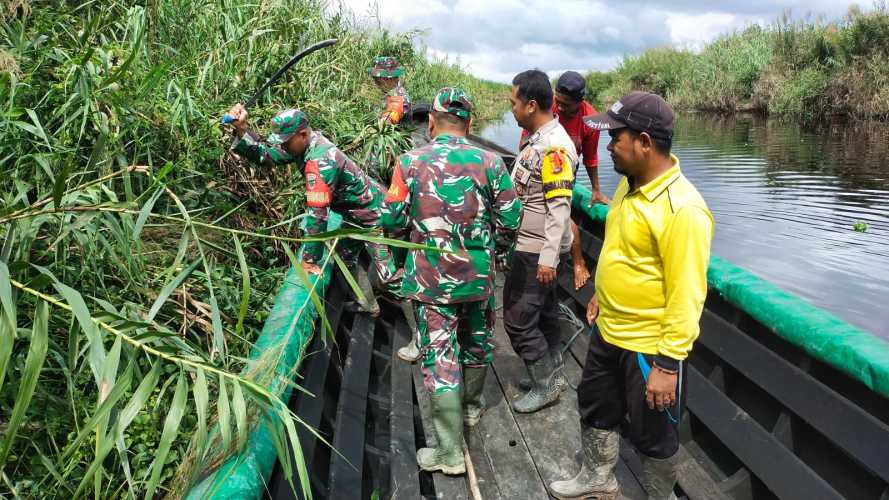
[496, 39]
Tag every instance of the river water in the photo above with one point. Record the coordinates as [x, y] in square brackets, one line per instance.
[785, 201]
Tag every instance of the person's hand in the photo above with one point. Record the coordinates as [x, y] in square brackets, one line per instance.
[660, 392]
[311, 268]
[598, 197]
[581, 275]
[546, 274]
[502, 261]
[239, 113]
[592, 309]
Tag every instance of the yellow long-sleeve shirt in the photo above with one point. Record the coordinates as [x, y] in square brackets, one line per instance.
[651, 279]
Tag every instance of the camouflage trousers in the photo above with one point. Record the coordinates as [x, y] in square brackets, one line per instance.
[452, 335]
[382, 258]
[389, 263]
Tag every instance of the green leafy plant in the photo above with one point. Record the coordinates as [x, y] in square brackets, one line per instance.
[138, 258]
[803, 68]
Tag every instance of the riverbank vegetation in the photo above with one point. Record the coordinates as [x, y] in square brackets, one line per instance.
[138, 258]
[803, 69]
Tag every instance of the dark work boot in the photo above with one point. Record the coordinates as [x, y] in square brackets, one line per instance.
[561, 379]
[659, 477]
[544, 390]
[596, 477]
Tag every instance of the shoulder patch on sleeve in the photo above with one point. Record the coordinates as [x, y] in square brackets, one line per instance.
[394, 108]
[556, 173]
[318, 193]
[398, 189]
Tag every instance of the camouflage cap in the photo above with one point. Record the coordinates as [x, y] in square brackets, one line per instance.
[286, 123]
[385, 67]
[453, 100]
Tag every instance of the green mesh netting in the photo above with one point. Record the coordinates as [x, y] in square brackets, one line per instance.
[285, 334]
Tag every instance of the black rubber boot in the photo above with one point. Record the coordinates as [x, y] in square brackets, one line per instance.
[561, 379]
[544, 390]
[596, 477]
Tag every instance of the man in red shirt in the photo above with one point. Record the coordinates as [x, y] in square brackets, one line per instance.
[571, 108]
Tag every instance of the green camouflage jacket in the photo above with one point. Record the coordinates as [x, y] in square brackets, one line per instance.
[333, 182]
[457, 198]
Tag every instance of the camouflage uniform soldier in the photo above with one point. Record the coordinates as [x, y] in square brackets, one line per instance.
[386, 73]
[333, 182]
[395, 106]
[457, 198]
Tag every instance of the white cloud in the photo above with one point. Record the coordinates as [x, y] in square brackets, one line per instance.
[693, 31]
[496, 39]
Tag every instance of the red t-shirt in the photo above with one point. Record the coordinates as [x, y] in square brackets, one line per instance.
[586, 139]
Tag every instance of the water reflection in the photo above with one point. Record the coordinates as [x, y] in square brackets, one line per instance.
[785, 200]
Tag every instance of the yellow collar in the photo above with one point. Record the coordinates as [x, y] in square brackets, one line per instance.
[654, 188]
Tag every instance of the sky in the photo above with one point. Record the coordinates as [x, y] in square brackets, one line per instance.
[495, 39]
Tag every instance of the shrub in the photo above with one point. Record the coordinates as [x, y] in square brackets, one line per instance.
[138, 259]
[596, 83]
[799, 68]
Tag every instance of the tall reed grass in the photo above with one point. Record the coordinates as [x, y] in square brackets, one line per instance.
[138, 259]
[805, 69]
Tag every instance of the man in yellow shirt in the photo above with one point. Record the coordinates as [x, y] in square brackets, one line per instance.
[651, 283]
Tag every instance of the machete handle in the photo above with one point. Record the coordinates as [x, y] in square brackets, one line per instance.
[227, 118]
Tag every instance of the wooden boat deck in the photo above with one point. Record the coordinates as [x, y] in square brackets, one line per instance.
[737, 441]
[515, 455]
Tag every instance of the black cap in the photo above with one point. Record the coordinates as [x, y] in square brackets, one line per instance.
[639, 111]
[573, 84]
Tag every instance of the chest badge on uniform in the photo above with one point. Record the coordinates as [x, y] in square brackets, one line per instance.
[526, 156]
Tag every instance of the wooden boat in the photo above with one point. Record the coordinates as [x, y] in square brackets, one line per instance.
[783, 401]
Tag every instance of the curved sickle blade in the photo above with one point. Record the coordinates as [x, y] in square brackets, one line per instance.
[293, 60]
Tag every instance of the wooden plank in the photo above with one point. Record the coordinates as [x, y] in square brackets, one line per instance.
[760, 451]
[484, 471]
[862, 435]
[552, 434]
[445, 486]
[404, 479]
[349, 435]
[505, 448]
